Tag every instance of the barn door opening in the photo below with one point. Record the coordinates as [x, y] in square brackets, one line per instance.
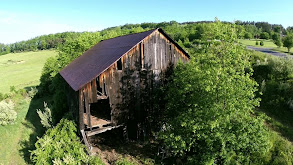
[100, 113]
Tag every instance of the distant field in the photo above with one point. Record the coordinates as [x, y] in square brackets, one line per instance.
[267, 43]
[22, 69]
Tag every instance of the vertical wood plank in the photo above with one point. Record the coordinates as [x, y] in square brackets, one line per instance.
[81, 110]
[87, 108]
[89, 87]
[94, 90]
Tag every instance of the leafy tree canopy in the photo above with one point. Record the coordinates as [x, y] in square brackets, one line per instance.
[210, 102]
[288, 41]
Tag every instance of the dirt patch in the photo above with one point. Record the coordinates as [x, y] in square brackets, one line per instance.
[9, 62]
[111, 146]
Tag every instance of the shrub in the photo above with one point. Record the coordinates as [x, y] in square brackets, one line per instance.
[32, 92]
[7, 114]
[45, 116]
[281, 152]
[256, 42]
[125, 161]
[1, 97]
[60, 145]
[261, 43]
[274, 76]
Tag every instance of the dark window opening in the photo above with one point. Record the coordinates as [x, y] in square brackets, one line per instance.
[171, 55]
[105, 91]
[119, 64]
[101, 109]
[99, 89]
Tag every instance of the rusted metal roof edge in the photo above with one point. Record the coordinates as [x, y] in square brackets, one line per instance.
[117, 59]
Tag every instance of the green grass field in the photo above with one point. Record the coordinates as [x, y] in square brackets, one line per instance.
[267, 44]
[21, 70]
[14, 66]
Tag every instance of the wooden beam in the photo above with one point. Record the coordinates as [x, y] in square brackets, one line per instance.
[81, 110]
[89, 147]
[94, 90]
[101, 130]
[89, 92]
[87, 108]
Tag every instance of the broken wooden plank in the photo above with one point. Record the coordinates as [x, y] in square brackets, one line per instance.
[101, 130]
[89, 147]
[102, 97]
[96, 122]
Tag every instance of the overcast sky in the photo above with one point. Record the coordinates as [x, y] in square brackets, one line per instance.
[22, 20]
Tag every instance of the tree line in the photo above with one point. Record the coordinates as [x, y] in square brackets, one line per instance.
[185, 33]
[43, 42]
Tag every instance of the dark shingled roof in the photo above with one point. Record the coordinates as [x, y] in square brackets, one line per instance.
[100, 57]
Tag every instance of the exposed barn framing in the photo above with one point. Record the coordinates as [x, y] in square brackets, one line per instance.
[96, 75]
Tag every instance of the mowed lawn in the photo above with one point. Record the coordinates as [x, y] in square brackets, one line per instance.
[22, 69]
[251, 42]
[267, 44]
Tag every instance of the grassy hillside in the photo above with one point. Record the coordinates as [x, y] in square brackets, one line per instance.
[22, 69]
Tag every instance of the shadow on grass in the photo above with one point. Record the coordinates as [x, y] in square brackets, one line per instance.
[281, 121]
[32, 121]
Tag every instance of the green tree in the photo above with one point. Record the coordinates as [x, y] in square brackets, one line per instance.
[277, 39]
[265, 35]
[247, 35]
[277, 29]
[210, 106]
[288, 42]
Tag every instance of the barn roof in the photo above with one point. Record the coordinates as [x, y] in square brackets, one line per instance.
[101, 56]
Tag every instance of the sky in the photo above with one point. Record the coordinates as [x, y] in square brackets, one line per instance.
[26, 19]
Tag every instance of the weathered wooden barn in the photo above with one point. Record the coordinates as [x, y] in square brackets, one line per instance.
[95, 76]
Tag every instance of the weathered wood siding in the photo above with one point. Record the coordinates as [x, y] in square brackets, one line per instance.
[154, 53]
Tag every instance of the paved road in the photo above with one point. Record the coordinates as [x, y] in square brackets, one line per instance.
[268, 51]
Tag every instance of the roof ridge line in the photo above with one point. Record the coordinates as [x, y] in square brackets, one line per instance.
[130, 34]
